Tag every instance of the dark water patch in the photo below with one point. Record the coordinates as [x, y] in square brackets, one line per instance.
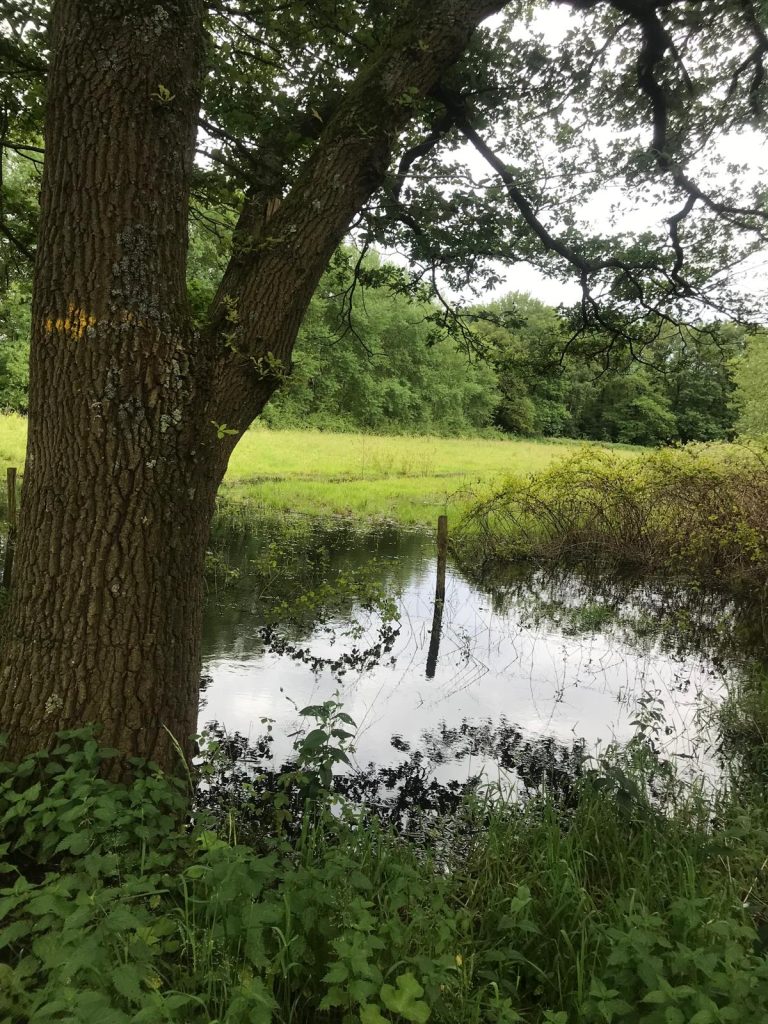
[641, 610]
[405, 794]
[296, 572]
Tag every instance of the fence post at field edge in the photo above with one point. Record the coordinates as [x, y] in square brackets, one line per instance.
[437, 617]
[11, 542]
[442, 555]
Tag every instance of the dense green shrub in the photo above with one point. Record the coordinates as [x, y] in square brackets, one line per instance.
[700, 511]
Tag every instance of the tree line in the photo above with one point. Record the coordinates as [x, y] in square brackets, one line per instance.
[368, 358]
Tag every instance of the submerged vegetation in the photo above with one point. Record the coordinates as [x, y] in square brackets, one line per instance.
[699, 512]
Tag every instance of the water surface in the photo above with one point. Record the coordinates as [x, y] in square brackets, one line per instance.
[529, 655]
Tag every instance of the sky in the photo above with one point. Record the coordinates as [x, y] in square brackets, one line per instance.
[749, 148]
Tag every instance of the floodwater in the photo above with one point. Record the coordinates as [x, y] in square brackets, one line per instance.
[526, 657]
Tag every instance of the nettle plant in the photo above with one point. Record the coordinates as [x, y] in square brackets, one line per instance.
[118, 906]
[119, 901]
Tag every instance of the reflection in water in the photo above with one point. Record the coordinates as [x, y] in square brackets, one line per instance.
[405, 795]
[434, 637]
[437, 616]
[564, 657]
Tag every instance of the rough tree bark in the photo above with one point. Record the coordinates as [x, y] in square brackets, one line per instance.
[123, 460]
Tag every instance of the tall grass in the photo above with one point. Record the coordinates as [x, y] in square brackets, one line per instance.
[699, 511]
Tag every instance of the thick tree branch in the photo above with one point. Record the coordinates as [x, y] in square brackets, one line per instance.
[437, 133]
[630, 275]
[656, 43]
[586, 267]
[268, 285]
[18, 245]
[674, 235]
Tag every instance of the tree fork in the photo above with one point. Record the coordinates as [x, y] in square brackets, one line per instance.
[123, 461]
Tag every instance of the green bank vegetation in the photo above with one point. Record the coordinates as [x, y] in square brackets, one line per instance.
[699, 511]
[634, 901]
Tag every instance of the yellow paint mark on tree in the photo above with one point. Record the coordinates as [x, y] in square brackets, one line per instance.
[75, 323]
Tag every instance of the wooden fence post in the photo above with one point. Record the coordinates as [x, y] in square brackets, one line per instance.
[437, 616]
[442, 556]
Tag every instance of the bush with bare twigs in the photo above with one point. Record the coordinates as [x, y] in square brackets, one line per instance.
[699, 511]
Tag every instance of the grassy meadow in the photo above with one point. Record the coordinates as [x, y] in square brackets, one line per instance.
[409, 479]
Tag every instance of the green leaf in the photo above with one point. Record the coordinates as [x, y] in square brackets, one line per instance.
[74, 842]
[337, 974]
[336, 996]
[46, 903]
[176, 1000]
[314, 739]
[361, 989]
[405, 999]
[13, 932]
[127, 981]
[704, 1016]
[522, 899]
[121, 919]
[656, 996]
[7, 979]
[674, 1016]
[371, 1014]
[32, 794]
[9, 903]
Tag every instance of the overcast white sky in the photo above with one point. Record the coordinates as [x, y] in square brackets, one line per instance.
[749, 148]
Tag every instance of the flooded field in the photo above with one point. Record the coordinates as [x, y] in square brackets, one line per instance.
[531, 663]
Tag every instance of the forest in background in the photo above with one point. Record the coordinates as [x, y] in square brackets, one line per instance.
[371, 358]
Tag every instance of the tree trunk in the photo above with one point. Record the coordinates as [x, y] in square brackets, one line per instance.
[123, 461]
[105, 615]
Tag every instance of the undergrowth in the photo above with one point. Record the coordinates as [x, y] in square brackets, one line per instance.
[699, 511]
[119, 904]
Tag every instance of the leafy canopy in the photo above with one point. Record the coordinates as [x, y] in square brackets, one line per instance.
[505, 160]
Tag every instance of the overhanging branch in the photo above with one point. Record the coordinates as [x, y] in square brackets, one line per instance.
[266, 288]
